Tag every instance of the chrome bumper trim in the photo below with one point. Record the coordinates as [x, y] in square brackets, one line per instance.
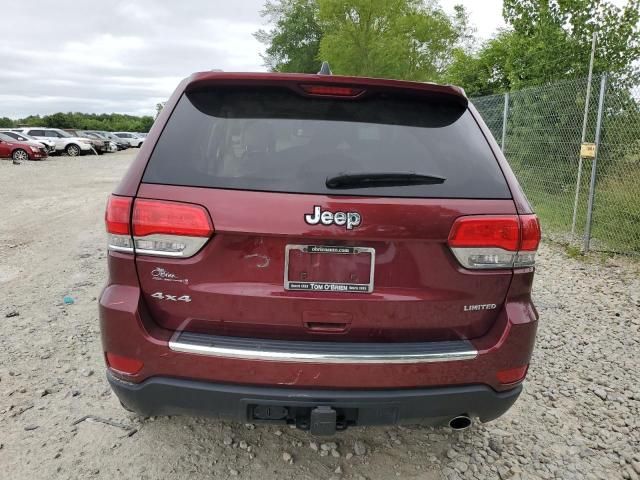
[321, 352]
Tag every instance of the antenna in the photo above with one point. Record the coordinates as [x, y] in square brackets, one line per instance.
[325, 69]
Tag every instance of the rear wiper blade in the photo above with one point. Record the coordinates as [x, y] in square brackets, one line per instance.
[381, 179]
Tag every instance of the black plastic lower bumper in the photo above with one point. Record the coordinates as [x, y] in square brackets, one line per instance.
[429, 406]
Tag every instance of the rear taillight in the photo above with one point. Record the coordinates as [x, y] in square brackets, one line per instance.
[159, 228]
[117, 219]
[169, 229]
[500, 241]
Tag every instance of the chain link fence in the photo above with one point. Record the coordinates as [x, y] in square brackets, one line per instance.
[541, 129]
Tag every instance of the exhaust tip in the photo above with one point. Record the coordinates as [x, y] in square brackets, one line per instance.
[461, 422]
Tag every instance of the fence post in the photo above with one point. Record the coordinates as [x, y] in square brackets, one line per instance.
[592, 185]
[584, 135]
[505, 115]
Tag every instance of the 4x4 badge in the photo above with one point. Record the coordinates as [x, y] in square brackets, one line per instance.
[348, 219]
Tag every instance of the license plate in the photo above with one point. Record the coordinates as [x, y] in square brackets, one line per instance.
[329, 268]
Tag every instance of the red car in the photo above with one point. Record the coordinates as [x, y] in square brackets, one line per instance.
[20, 151]
[322, 251]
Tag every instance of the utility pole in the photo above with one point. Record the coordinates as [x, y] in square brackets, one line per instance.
[584, 133]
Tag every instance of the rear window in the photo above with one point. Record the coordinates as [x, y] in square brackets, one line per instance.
[276, 140]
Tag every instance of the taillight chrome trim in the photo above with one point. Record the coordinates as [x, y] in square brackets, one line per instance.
[192, 245]
[465, 256]
[119, 243]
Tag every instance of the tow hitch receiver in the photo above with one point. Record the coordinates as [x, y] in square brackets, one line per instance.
[323, 421]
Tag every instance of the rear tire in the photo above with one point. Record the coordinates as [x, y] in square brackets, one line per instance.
[72, 150]
[20, 155]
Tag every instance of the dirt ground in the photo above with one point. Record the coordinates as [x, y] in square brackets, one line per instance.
[578, 418]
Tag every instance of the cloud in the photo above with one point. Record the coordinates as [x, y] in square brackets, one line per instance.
[119, 56]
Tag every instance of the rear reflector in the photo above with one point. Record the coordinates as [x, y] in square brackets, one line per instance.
[499, 241]
[159, 228]
[332, 91]
[126, 365]
[512, 375]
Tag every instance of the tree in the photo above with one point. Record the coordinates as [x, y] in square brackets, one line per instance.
[293, 44]
[405, 39]
[549, 40]
[409, 39]
[112, 122]
[6, 122]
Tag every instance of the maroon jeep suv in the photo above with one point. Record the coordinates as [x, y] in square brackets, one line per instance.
[322, 251]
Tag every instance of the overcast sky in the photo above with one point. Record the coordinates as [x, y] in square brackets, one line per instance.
[125, 56]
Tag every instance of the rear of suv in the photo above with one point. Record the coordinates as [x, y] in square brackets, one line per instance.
[321, 251]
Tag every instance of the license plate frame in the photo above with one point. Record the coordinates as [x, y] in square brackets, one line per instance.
[329, 287]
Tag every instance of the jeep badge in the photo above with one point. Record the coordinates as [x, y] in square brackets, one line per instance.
[350, 219]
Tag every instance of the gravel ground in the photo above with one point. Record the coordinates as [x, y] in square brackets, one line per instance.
[578, 417]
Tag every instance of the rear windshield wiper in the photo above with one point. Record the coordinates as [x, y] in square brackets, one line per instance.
[381, 179]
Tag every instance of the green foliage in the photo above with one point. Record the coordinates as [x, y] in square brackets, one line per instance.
[543, 143]
[404, 39]
[112, 122]
[545, 40]
[549, 40]
[293, 43]
[573, 251]
[6, 122]
[408, 39]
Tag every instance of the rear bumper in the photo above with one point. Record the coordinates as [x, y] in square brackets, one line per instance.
[129, 331]
[431, 406]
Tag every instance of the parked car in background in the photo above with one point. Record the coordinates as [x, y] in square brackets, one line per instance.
[113, 144]
[21, 151]
[133, 139]
[65, 142]
[121, 143]
[95, 136]
[21, 137]
[100, 145]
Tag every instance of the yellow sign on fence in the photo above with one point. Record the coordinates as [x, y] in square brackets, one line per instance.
[588, 150]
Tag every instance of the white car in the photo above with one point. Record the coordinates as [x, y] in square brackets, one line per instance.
[22, 137]
[133, 138]
[72, 146]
